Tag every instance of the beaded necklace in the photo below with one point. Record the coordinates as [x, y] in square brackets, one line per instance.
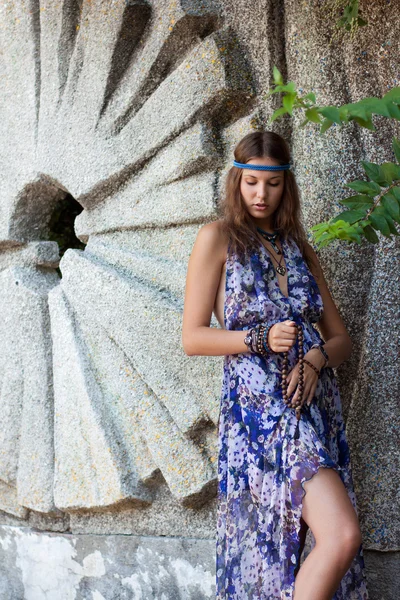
[257, 341]
[285, 363]
[272, 237]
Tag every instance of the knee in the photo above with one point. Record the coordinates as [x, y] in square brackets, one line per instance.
[350, 539]
[343, 544]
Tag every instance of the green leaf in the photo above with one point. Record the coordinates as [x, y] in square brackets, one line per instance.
[349, 216]
[343, 235]
[290, 87]
[288, 102]
[325, 125]
[310, 96]
[393, 95]
[394, 111]
[380, 210]
[367, 124]
[364, 187]
[392, 226]
[320, 227]
[359, 110]
[277, 113]
[379, 222]
[390, 171]
[279, 88]
[376, 106]
[391, 205]
[370, 234]
[331, 113]
[313, 115]
[374, 172]
[396, 148]
[360, 201]
[278, 79]
[361, 22]
[354, 9]
[352, 234]
[344, 113]
[395, 191]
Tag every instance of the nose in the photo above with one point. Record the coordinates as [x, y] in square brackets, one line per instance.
[261, 192]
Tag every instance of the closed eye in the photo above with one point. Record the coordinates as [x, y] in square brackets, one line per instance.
[272, 184]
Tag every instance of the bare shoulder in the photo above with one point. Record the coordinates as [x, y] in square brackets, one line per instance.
[212, 239]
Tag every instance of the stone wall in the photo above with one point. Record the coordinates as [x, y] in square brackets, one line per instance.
[108, 428]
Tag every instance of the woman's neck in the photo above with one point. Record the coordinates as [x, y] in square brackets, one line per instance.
[267, 228]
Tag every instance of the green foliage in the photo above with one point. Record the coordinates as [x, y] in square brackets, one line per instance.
[347, 15]
[361, 112]
[376, 206]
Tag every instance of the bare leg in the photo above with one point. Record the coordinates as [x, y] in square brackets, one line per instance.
[328, 512]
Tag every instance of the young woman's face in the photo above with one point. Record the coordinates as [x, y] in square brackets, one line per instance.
[262, 191]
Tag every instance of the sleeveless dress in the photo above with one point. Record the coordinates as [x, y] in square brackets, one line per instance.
[265, 454]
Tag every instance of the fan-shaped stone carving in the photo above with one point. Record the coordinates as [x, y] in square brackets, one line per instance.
[112, 104]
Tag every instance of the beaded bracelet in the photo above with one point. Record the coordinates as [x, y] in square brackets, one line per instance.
[257, 339]
[267, 341]
[261, 329]
[312, 366]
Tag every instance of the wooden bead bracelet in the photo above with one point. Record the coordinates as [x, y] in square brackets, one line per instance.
[257, 341]
[312, 366]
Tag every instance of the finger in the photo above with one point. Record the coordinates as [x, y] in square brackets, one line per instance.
[296, 395]
[306, 393]
[312, 393]
[282, 335]
[289, 322]
[289, 329]
[287, 337]
[282, 347]
[292, 385]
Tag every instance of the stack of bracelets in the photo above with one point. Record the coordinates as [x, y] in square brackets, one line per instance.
[257, 342]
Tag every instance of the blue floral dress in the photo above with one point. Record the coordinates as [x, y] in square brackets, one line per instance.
[265, 454]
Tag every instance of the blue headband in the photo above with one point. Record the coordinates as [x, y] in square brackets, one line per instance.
[261, 167]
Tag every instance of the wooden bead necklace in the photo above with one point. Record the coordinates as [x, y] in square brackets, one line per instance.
[285, 363]
[257, 341]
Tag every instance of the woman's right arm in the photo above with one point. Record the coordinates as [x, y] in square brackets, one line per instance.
[203, 276]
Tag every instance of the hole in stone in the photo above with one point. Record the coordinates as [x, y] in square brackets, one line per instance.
[61, 224]
[46, 211]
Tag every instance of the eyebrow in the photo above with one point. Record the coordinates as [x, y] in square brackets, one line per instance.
[274, 177]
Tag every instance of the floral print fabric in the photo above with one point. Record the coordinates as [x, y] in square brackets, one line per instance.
[263, 461]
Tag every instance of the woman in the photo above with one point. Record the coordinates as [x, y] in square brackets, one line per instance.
[280, 415]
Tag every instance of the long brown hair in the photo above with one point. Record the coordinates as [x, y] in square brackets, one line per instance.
[236, 222]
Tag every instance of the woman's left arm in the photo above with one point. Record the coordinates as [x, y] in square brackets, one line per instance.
[337, 342]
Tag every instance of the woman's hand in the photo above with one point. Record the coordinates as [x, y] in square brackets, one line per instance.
[282, 336]
[309, 385]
